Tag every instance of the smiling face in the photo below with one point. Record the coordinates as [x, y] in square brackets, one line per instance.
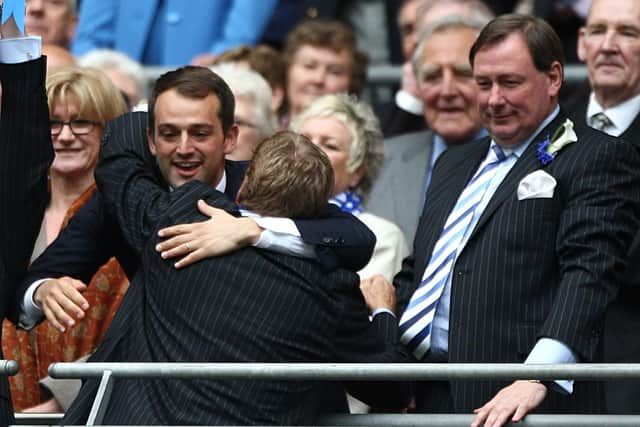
[75, 155]
[446, 84]
[610, 45]
[316, 71]
[514, 97]
[333, 137]
[188, 140]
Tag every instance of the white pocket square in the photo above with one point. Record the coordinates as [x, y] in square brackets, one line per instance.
[536, 185]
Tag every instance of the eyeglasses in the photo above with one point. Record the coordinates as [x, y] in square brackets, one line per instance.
[77, 126]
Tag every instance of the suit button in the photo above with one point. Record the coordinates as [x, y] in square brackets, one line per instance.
[328, 240]
[172, 18]
[312, 12]
[460, 273]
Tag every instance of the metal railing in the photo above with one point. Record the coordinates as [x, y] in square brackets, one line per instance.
[8, 367]
[389, 372]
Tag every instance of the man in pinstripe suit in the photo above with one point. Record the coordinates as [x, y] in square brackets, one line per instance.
[540, 258]
[25, 155]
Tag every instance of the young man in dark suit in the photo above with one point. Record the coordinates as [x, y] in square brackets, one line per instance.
[25, 155]
[250, 305]
[542, 215]
[56, 278]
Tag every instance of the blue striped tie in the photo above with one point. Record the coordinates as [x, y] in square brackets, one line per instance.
[416, 321]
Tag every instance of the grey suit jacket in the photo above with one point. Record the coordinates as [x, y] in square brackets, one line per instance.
[398, 193]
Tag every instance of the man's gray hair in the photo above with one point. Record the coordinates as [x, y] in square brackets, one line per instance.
[440, 25]
[476, 9]
[108, 59]
[246, 83]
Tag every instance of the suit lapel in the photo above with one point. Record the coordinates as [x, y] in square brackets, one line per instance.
[633, 132]
[526, 164]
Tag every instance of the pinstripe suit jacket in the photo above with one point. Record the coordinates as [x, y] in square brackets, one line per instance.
[533, 268]
[25, 155]
[93, 236]
[250, 305]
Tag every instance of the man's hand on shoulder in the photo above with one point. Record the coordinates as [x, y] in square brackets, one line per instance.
[220, 234]
[61, 301]
[378, 293]
[511, 404]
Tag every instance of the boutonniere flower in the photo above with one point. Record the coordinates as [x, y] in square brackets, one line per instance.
[548, 148]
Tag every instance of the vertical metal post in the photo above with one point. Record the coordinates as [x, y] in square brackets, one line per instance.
[96, 416]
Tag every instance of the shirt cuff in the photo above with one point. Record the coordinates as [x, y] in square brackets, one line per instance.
[547, 351]
[30, 313]
[280, 235]
[21, 49]
[408, 102]
[382, 310]
[277, 225]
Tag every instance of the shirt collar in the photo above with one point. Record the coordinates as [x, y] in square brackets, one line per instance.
[519, 149]
[621, 115]
[222, 185]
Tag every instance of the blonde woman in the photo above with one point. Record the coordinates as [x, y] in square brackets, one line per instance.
[349, 133]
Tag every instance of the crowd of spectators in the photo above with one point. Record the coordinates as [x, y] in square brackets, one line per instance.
[476, 93]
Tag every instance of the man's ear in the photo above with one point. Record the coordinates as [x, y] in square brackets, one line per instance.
[582, 49]
[556, 75]
[152, 144]
[357, 176]
[231, 138]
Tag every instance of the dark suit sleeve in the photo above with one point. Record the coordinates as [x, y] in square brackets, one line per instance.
[597, 225]
[90, 239]
[360, 341]
[25, 155]
[340, 239]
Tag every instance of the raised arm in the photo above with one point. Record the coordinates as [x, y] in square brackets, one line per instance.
[25, 155]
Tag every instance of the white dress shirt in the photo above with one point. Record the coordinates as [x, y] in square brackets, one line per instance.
[621, 115]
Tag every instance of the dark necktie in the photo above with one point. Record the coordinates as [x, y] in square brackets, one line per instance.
[601, 122]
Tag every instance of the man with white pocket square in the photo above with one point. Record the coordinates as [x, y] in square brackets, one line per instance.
[523, 241]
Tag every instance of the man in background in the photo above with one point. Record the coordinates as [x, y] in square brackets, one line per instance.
[450, 108]
[54, 20]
